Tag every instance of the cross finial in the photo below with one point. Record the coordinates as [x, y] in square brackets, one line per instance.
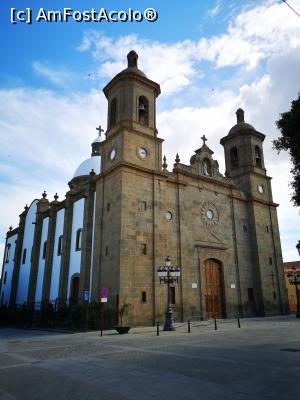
[100, 130]
[204, 139]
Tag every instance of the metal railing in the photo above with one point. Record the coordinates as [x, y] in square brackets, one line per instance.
[55, 314]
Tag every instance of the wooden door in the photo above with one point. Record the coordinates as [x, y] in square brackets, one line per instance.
[214, 295]
[75, 290]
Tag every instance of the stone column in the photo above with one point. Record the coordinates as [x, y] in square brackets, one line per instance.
[42, 207]
[65, 257]
[86, 241]
[54, 206]
[18, 256]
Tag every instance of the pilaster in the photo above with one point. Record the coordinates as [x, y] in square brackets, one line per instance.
[18, 255]
[87, 240]
[54, 205]
[65, 257]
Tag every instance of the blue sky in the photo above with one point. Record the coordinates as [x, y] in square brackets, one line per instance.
[210, 58]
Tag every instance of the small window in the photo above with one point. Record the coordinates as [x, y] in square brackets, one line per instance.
[258, 162]
[143, 111]
[44, 249]
[270, 261]
[59, 245]
[78, 239]
[172, 295]
[274, 296]
[245, 229]
[207, 167]
[5, 276]
[7, 254]
[250, 295]
[144, 297]
[267, 228]
[107, 207]
[234, 159]
[113, 113]
[24, 256]
[143, 206]
[106, 250]
[144, 249]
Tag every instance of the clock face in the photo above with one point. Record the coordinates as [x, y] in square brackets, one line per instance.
[260, 188]
[168, 215]
[112, 154]
[143, 152]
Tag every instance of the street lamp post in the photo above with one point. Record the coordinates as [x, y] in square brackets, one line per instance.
[168, 275]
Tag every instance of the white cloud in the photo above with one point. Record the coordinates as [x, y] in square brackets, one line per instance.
[60, 77]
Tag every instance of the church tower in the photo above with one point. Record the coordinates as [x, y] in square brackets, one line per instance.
[131, 119]
[245, 165]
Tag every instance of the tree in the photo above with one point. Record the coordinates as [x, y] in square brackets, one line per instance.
[289, 126]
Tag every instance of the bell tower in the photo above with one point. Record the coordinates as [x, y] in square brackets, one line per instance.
[131, 99]
[131, 135]
[243, 148]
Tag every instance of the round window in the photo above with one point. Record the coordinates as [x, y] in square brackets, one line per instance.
[209, 214]
[168, 215]
[112, 155]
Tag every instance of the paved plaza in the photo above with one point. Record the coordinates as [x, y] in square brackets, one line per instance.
[261, 360]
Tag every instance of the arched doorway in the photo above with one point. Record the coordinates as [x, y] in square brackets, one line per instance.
[214, 291]
[74, 289]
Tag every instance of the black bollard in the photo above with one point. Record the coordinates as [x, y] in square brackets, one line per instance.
[189, 326]
[239, 324]
[157, 329]
[216, 328]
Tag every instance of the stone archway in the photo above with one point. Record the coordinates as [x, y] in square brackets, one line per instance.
[214, 289]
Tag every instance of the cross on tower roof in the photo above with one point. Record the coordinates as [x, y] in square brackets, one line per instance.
[100, 130]
[204, 139]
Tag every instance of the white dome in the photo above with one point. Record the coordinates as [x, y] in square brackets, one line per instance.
[87, 165]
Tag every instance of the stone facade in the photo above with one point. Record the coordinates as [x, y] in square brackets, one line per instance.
[221, 230]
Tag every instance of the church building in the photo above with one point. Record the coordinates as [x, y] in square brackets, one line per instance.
[127, 210]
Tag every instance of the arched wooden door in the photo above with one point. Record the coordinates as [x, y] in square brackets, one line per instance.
[74, 290]
[214, 293]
